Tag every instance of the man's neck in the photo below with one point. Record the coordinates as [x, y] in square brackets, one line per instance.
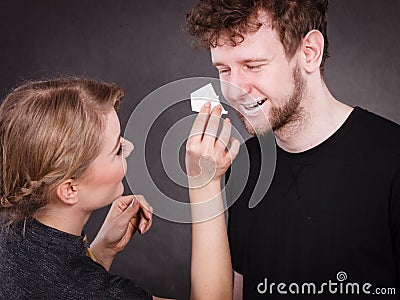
[323, 115]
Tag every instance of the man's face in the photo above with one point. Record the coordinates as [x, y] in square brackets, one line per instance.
[261, 83]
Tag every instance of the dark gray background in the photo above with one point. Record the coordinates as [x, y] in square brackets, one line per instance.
[142, 45]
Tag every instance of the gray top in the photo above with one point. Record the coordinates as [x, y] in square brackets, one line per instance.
[41, 262]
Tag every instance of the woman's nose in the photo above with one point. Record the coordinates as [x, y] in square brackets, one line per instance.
[128, 148]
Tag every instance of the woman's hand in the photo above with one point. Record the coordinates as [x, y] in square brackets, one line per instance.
[208, 156]
[207, 159]
[126, 215]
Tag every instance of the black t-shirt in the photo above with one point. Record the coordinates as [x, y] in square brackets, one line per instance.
[329, 224]
[40, 262]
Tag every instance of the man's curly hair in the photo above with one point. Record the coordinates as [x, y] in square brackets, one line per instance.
[291, 19]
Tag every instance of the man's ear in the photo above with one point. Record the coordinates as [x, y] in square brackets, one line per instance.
[68, 192]
[312, 50]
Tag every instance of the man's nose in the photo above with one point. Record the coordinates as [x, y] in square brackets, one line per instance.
[237, 89]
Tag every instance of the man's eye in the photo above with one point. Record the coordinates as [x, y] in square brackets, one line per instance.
[223, 71]
[254, 68]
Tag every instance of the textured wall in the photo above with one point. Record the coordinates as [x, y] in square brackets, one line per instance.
[142, 45]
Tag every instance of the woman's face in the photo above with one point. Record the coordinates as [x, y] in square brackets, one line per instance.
[103, 182]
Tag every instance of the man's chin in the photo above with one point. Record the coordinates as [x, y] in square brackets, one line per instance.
[257, 130]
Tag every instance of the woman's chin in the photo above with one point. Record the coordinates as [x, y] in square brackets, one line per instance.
[120, 190]
[118, 193]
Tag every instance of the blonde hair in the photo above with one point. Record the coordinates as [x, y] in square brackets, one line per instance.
[50, 131]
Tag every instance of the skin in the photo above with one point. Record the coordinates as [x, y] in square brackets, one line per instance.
[299, 107]
[207, 159]
[211, 262]
[102, 185]
[258, 68]
[126, 215]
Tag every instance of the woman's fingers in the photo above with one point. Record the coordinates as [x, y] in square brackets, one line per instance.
[144, 224]
[208, 156]
[119, 206]
[234, 148]
[212, 127]
[145, 215]
[200, 123]
[125, 200]
[136, 210]
[131, 210]
[224, 136]
[145, 206]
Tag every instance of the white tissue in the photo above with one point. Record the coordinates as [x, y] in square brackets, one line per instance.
[203, 95]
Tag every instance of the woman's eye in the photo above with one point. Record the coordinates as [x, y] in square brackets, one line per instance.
[121, 149]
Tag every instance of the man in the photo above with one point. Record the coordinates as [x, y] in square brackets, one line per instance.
[329, 224]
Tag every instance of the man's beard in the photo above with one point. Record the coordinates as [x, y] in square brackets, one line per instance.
[280, 117]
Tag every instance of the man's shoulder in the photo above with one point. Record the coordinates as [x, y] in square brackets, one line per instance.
[375, 122]
[376, 129]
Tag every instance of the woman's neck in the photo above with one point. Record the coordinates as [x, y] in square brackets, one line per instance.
[64, 218]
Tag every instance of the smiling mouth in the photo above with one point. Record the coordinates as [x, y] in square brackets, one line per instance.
[255, 105]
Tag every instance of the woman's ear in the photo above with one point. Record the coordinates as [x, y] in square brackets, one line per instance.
[313, 50]
[68, 192]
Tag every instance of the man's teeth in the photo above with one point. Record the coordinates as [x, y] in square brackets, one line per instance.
[252, 106]
[261, 102]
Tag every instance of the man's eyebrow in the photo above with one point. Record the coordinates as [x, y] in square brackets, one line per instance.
[218, 64]
[244, 61]
[254, 60]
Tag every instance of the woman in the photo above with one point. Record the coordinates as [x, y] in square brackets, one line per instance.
[62, 158]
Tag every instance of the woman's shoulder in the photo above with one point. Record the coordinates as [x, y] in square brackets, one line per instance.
[100, 284]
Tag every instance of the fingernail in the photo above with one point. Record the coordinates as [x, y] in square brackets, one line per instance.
[142, 228]
[133, 201]
[228, 120]
[208, 104]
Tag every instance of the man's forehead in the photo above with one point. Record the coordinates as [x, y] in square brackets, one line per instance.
[263, 32]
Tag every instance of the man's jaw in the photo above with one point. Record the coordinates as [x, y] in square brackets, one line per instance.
[252, 119]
